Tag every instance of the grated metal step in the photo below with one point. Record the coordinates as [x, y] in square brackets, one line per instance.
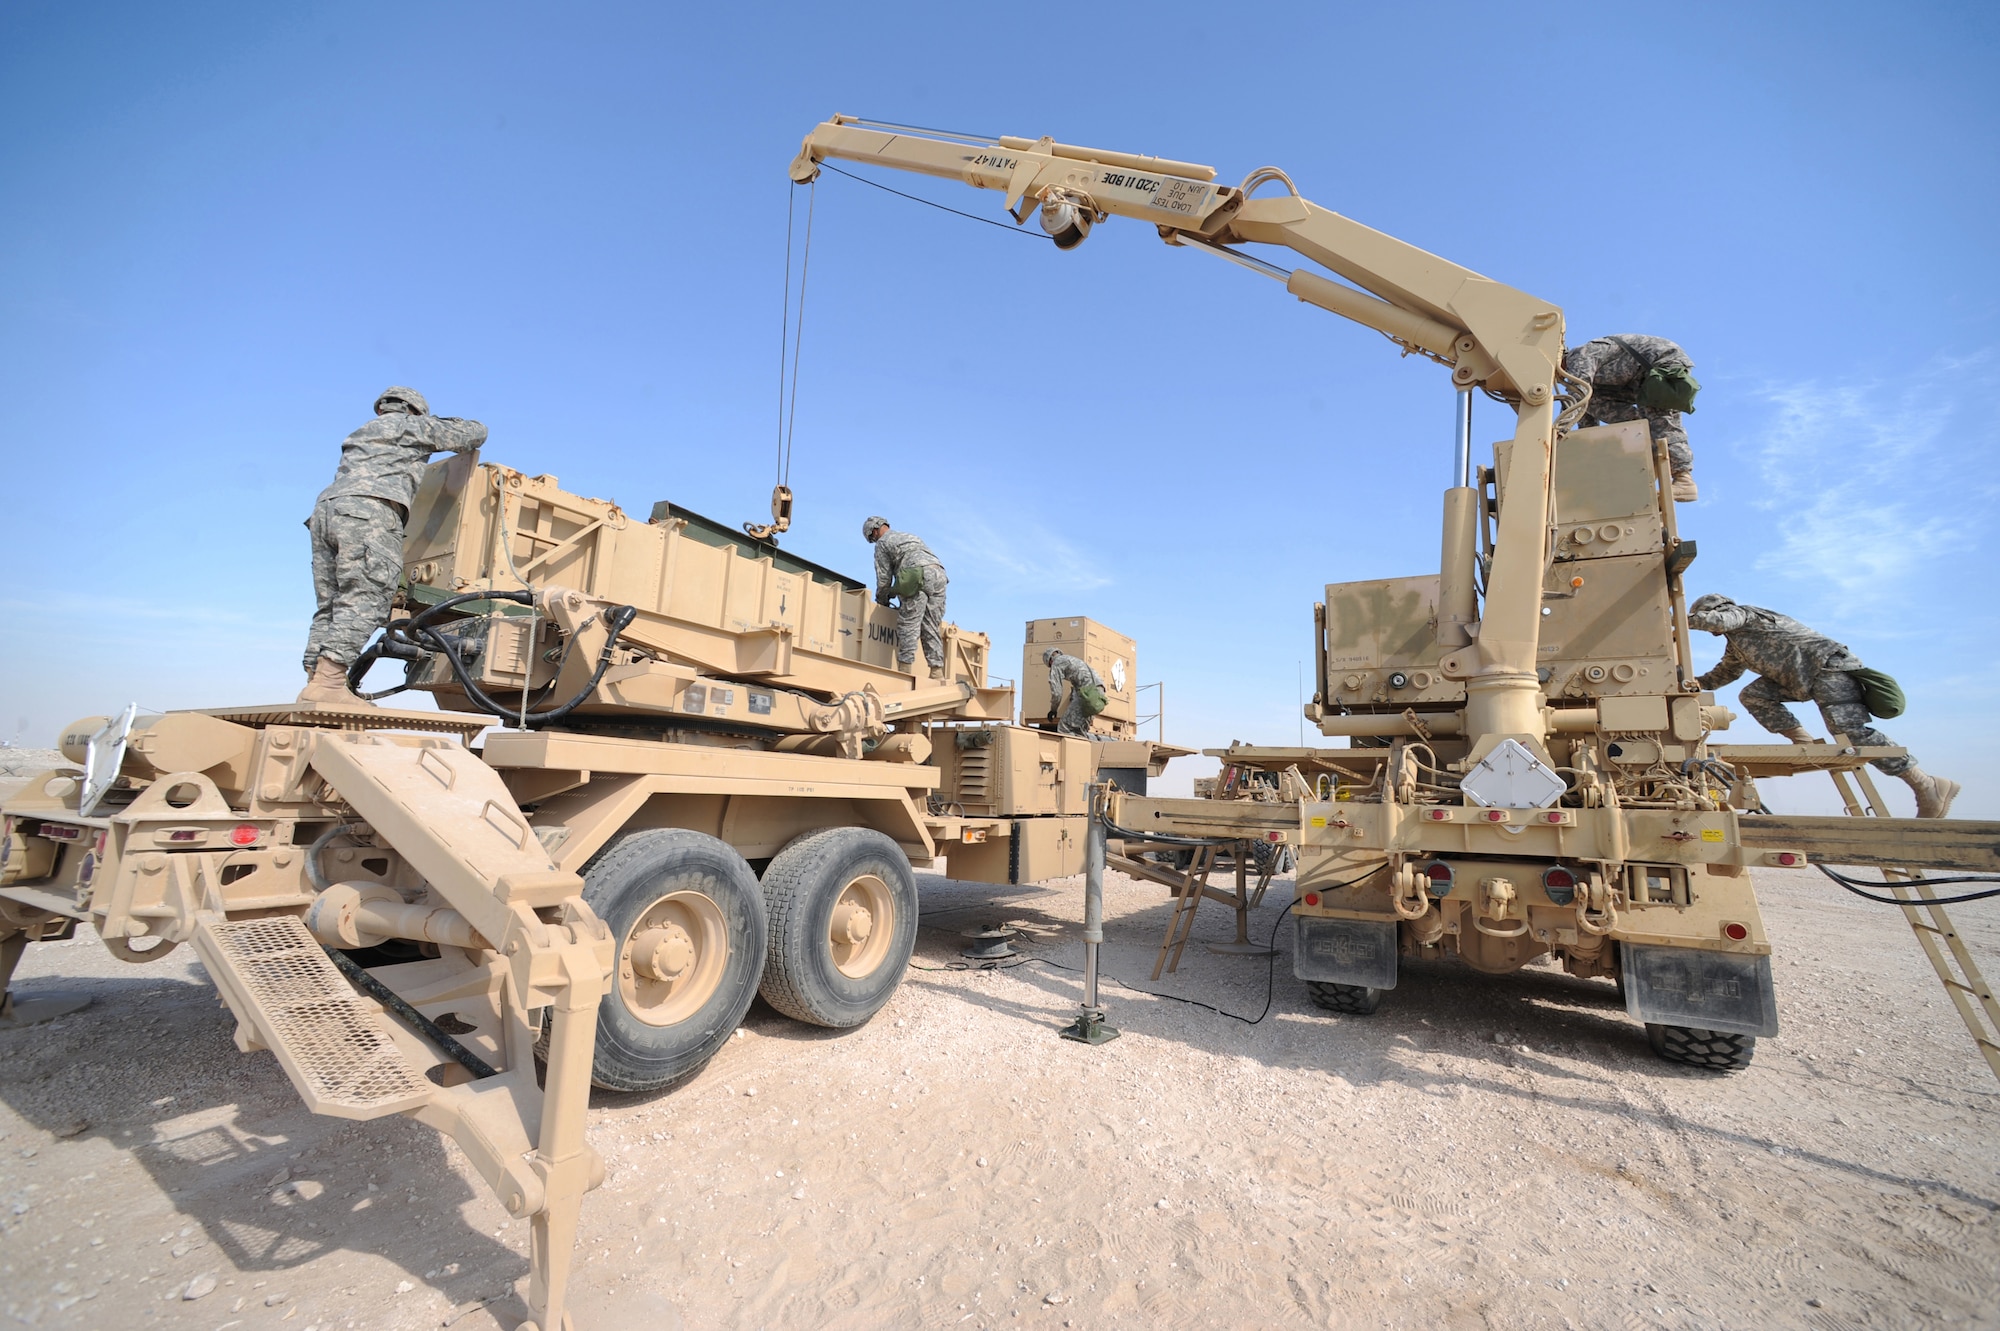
[332, 1042]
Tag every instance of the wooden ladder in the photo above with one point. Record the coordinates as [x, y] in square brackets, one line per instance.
[1948, 954]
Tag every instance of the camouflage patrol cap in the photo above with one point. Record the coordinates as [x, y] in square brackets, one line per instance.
[410, 396]
[1702, 613]
[870, 526]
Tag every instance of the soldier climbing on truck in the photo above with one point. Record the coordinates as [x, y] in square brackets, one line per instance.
[1794, 664]
[357, 532]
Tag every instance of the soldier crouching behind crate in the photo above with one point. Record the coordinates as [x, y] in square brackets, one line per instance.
[1795, 664]
[1086, 691]
[906, 569]
[357, 532]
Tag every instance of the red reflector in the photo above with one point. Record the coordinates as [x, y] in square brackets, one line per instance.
[243, 836]
[1559, 878]
[1439, 871]
[1274, 836]
[1496, 816]
[1786, 857]
[1553, 816]
[1312, 898]
[1439, 815]
[1735, 931]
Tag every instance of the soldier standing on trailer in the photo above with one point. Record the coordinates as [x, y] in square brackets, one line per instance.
[906, 569]
[357, 532]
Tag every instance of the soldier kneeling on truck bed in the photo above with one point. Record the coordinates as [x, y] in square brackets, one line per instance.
[357, 532]
[1795, 664]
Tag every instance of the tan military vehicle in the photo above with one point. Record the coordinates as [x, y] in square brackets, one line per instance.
[677, 767]
[1529, 769]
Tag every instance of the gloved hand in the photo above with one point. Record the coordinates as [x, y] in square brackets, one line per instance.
[882, 598]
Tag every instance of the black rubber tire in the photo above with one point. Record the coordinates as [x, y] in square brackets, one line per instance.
[801, 887]
[1267, 855]
[1712, 1051]
[634, 872]
[1356, 1000]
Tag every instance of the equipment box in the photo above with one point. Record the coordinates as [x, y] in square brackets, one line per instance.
[1010, 771]
[1112, 655]
[1038, 849]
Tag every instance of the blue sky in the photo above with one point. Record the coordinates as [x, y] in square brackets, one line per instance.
[224, 228]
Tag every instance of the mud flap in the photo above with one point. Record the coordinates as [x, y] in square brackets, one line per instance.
[1360, 952]
[1711, 991]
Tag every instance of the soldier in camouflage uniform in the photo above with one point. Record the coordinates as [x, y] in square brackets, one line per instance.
[1067, 669]
[919, 613]
[357, 531]
[1614, 367]
[1795, 664]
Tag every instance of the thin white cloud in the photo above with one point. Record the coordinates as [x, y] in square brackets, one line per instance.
[1022, 554]
[1867, 482]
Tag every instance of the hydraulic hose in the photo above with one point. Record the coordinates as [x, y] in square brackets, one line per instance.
[617, 619]
[395, 640]
[404, 639]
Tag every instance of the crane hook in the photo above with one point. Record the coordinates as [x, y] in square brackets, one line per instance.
[781, 515]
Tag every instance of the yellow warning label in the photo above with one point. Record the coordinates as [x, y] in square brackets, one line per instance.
[1319, 820]
[1711, 834]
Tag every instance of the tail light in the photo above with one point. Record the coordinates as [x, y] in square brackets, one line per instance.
[1440, 875]
[1560, 884]
[1735, 932]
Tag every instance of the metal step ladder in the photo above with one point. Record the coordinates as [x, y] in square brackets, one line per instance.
[332, 1042]
[1948, 954]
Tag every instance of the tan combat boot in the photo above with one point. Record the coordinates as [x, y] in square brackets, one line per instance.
[1934, 793]
[1801, 736]
[937, 672]
[1684, 490]
[328, 684]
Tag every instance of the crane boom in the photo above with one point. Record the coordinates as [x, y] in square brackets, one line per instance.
[1491, 335]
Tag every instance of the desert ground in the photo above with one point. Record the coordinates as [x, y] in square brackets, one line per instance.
[1480, 1153]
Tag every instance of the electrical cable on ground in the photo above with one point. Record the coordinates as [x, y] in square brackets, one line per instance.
[1270, 969]
[1270, 978]
[1857, 886]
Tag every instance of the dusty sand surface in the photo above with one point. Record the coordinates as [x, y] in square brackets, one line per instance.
[1481, 1153]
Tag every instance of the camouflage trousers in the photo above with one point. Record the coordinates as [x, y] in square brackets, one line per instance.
[1839, 697]
[1665, 425]
[920, 620]
[357, 560]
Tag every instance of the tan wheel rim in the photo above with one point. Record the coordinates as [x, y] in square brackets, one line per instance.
[670, 961]
[862, 926]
